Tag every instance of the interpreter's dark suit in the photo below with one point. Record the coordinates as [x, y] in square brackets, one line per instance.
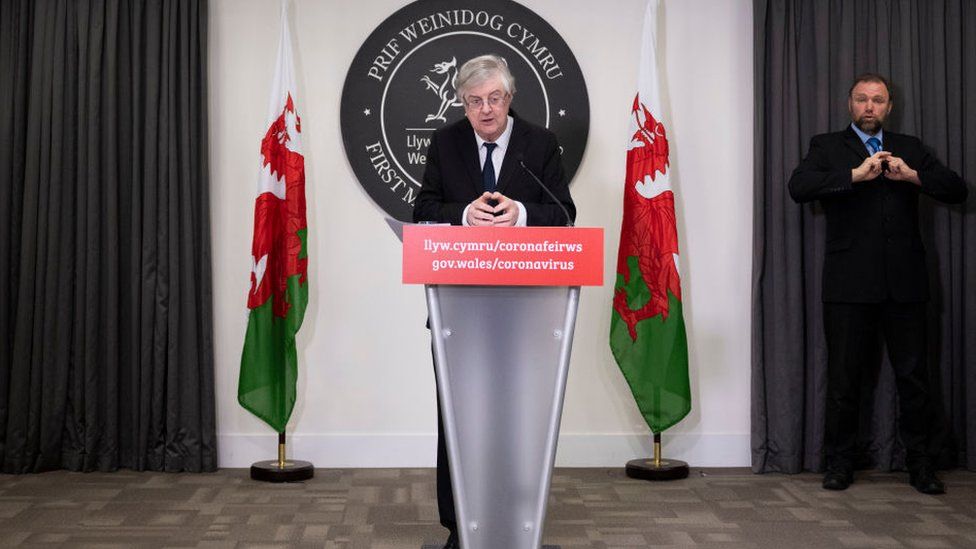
[452, 180]
[874, 281]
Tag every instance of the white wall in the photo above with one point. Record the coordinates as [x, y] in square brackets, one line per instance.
[366, 389]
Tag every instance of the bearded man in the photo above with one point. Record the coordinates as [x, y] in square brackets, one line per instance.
[868, 180]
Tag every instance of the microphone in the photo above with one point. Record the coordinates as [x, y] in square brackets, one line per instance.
[569, 220]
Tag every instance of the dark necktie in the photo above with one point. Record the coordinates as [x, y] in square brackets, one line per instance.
[488, 171]
[874, 144]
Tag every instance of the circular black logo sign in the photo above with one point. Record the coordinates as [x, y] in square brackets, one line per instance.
[400, 89]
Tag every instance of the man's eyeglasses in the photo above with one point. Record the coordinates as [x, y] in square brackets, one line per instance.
[493, 101]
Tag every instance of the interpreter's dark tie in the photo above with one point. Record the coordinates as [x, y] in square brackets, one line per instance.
[874, 144]
[488, 171]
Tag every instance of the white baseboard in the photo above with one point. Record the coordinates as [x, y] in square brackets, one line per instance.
[417, 450]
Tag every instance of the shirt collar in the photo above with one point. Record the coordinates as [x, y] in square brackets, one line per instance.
[502, 140]
[865, 136]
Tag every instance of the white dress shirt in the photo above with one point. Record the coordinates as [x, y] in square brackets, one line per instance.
[497, 157]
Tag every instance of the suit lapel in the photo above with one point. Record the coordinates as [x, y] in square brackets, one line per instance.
[469, 156]
[516, 151]
[854, 143]
[892, 144]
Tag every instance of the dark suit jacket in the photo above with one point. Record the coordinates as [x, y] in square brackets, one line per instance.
[452, 178]
[874, 249]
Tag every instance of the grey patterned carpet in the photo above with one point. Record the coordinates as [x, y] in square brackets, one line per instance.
[393, 508]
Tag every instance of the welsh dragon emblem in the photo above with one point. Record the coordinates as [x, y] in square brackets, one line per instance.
[650, 236]
[279, 214]
[443, 88]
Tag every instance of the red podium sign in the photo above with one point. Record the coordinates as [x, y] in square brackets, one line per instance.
[503, 256]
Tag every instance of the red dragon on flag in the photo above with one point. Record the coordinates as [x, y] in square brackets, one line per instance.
[649, 215]
[277, 247]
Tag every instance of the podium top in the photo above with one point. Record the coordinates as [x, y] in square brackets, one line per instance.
[503, 256]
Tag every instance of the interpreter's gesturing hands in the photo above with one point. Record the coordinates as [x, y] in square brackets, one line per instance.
[893, 167]
[871, 168]
[898, 170]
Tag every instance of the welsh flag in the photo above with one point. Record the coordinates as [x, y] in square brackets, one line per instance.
[647, 330]
[279, 271]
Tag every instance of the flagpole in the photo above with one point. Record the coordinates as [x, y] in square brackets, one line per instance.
[657, 468]
[281, 450]
[281, 186]
[281, 469]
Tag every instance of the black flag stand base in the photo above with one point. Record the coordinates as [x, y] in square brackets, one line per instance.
[279, 470]
[657, 468]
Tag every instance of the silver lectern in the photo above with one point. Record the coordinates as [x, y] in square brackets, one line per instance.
[501, 354]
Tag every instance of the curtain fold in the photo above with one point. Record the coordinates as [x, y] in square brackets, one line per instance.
[807, 53]
[106, 320]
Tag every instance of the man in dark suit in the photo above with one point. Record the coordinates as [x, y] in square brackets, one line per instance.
[874, 277]
[460, 187]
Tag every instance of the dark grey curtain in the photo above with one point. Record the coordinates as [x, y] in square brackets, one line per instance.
[807, 53]
[106, 351]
